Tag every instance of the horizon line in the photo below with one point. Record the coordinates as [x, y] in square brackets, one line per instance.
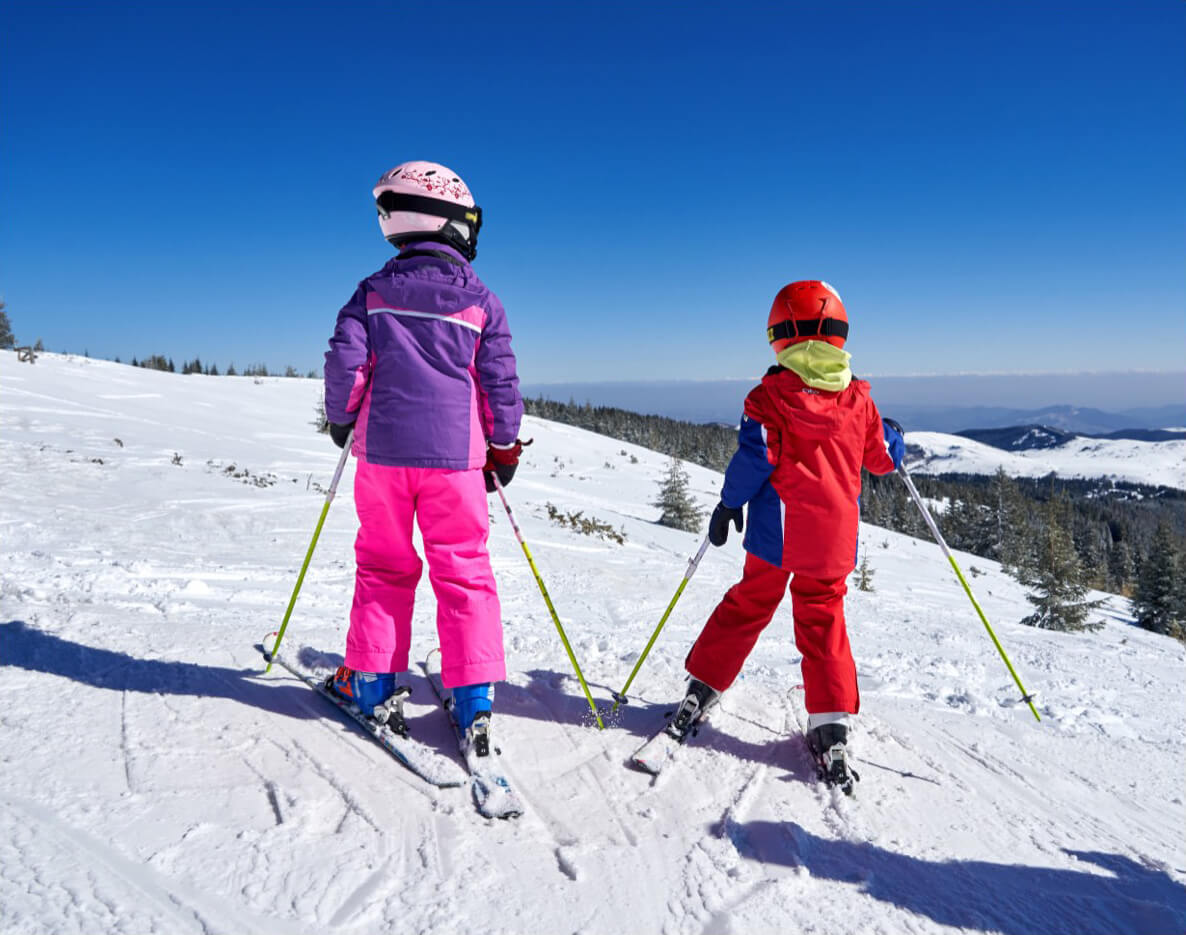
[889, 376]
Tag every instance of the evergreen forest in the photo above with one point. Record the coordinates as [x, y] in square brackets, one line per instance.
[1057, 535]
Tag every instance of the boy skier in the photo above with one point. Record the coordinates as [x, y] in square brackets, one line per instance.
[806, 432]
[420, 365]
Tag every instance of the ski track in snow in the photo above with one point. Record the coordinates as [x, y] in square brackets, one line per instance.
[155, 781]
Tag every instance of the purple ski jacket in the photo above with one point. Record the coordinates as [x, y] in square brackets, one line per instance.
[421, 362]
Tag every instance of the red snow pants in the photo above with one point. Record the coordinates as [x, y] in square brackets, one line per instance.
[829, 673]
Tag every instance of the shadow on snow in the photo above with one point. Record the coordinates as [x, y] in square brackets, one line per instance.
[978, 895]
[28, 648]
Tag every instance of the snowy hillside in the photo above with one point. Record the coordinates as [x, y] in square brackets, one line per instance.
[152, 780]
[1138, 462]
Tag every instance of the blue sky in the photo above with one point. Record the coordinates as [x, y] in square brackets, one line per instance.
[991, 186]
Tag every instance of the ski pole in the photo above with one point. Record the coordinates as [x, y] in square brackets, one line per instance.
[547, 600]
[329, 498]
[693, 564]
[930, 520]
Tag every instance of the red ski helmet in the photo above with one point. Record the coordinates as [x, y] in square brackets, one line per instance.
[808, 310]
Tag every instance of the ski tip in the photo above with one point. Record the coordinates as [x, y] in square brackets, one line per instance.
[646, 766]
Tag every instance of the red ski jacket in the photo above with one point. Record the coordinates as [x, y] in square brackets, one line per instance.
[817, 442]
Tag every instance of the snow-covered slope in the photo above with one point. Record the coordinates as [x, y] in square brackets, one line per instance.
[1159, 463]
[152, 780]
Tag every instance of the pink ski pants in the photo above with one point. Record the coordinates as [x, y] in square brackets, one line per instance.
[450, 508]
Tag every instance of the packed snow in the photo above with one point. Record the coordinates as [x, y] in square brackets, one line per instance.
[1137, 462]
[154, 780]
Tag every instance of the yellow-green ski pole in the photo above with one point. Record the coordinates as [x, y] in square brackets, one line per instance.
[547, 600]
[926, 515]
[329, 498]
[620, 697]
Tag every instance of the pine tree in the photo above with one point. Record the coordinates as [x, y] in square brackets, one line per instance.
[6, 337]
[1008, 545]
[1055, 578]
[679, 509]
[864, 572]
[1158, 598]
[1121, 568]
[320, 419]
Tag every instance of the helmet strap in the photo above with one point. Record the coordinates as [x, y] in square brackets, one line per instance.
[790, 329]
[389, 202]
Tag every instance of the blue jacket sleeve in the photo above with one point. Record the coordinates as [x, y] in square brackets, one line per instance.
[749, 468]
[895, 444]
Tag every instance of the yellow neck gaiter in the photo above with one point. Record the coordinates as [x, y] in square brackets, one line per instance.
[819, 364]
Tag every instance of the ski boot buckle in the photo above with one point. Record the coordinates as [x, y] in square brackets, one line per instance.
[391, 711]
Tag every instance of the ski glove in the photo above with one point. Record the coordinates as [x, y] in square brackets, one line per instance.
[895, 441]
[501, 461]
[718, 526]
[339, 433]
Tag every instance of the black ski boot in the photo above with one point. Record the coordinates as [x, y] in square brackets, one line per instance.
[829, 746]
[699, 700]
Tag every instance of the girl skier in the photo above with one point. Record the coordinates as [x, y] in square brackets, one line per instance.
[420, 366]
[806, 432]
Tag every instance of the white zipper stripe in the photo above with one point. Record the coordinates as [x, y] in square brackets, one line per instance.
[411, 314]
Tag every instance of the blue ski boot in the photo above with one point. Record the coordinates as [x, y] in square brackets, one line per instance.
[472, 705]
[375, 694]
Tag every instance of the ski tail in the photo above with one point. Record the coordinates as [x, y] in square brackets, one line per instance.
[420, 759]
[493, 794]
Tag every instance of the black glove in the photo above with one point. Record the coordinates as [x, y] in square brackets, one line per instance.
[339, 433]
[504, 472]
[501, 462]
[718, 526]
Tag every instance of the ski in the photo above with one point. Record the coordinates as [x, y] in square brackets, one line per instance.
[492, 791]
[682, 723]
[434, 768]
[659, 750]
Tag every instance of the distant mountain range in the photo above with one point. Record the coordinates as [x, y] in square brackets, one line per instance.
[1035, 451]
[1033, 437]
[933, 404]
[1071, 420]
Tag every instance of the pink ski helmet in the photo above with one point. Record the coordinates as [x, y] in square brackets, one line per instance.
[426, 201]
